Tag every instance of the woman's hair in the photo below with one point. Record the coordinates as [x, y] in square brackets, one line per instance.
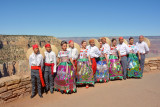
[63, 42]
[113, 39]
[99, 40]
[83, 41]
[131, 38]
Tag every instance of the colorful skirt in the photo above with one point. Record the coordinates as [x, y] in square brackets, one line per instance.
[84, 73]
[115, 69]
[102, 73]
[134, 69]
[65, 78]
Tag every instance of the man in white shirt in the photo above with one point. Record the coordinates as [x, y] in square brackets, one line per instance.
[73, 51]
[124, 50]
[143, 49]
[105, 46]
[36, 65]
[93, 53]
[50, 68]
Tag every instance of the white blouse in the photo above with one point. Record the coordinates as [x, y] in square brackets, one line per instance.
[133, 48]
[74, 53]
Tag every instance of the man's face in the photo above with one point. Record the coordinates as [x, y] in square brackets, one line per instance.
[103, 41]
[36, 50]
[120, 41]
[131, 41]
[71, 44]
[48, 49]
[141, 38]
[92, 43]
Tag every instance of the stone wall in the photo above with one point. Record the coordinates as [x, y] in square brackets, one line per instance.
[14, 87]
[17, 86]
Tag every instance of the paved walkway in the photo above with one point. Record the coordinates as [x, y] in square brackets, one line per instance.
[121, 93]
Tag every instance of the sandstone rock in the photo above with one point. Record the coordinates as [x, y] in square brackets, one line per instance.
[18, 92]
[13, 86]
[13, 80]
[28, 86]
[1, 84]
[153, 68]
[146, 68]
[26, 78]
[6, 94]
[24, 83]
[13, 98]
[3, 89]
[28, 90]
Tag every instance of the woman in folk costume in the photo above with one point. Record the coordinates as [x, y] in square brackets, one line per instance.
[50, 68]
[36, 65]
[65, 78]
[133, 61]
[73, 51]
[115, 69]
[102, 73]
[93, 53]
[84, 73]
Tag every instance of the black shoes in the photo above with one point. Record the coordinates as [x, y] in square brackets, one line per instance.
[33, 96]
[40, 96]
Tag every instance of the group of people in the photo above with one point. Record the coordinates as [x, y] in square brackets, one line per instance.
[92, 64]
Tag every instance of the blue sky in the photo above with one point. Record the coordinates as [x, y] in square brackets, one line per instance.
[80, 18]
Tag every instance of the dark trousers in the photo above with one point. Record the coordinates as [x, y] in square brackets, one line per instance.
[124, 66]
[35, 78]
[48, 78]
[142, 61]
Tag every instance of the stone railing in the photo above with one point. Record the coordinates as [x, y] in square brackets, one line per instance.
[14, 87]
[152, 64]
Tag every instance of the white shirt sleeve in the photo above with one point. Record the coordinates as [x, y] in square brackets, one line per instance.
[97, 51]
[146, 47]
[69, 55]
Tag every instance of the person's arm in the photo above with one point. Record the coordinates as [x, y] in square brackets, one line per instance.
[127, 49]
[89, 58]
[41, 62]
[106, 58]
[72, 64]
[146, 48]
[119, 55]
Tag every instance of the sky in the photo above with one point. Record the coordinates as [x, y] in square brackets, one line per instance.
[80, 18]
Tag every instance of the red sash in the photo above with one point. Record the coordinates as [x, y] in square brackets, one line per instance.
[40, 74]
[52, 65]
[94, 65]
[75, 64]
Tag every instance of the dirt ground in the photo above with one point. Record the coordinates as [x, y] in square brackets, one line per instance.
[143, 92]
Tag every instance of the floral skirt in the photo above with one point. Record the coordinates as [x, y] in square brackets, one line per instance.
[134, 69]
[84, 73]
[102, 72]
[65, 78]
[115, 69]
